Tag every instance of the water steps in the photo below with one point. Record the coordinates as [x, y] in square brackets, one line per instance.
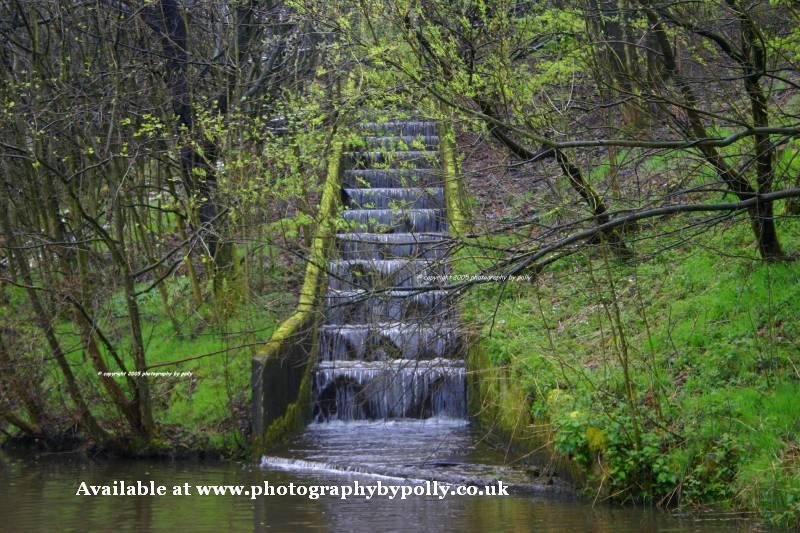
[390, 347]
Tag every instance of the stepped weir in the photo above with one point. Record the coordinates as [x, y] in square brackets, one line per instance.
[387, 385]
[390, 347]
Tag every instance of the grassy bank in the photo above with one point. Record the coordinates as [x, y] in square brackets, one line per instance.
[671, 379]
[202, 390]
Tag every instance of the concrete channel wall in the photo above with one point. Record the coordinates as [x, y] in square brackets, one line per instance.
[280, 379]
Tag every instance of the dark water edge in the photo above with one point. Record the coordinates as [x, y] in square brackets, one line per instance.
[37, 493]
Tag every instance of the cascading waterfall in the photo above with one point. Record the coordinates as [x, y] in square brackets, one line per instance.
[389, 387]
[391, 246]
[390, 348]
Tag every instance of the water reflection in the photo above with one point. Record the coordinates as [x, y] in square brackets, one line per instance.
[38, 494]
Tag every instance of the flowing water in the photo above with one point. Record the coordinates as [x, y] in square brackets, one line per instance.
[37, 494]
[390, 347]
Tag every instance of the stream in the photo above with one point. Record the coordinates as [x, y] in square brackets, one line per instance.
[38, 492]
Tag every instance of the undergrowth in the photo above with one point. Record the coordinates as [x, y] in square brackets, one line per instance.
[710, 338]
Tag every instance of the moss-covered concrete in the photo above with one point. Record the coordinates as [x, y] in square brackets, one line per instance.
[281, 374]
[501, 408]
[457, 216]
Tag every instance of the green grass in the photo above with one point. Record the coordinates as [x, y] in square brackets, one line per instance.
[205, 405]
[713, 347]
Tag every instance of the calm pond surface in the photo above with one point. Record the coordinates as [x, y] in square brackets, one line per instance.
[37, 492]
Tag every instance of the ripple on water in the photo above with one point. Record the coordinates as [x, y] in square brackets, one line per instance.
[443, 449]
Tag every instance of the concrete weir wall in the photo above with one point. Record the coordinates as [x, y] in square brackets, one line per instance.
[501, 408]
[280, 379]
[277, 377]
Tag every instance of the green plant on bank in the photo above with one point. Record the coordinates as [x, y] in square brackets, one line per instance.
[713, 346]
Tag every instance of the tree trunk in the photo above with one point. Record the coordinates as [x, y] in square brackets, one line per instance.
[761, 216]
[143, 398]
[88, 420]
[24, 390]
